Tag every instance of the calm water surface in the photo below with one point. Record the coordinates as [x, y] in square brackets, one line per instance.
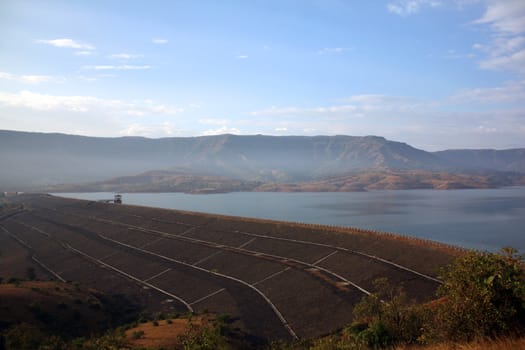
[479, 219]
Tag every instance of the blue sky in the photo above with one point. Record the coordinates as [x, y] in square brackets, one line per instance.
[436, 74]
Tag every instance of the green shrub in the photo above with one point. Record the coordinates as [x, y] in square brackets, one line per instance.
[484, 296]
[387, 317]
[112, 340]
[376, 335]
[203, 338]
[137, 335]
[23, 337]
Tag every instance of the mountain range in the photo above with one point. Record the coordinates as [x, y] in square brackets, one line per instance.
[38, 160]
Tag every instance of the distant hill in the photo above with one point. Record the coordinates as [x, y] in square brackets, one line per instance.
[399, 180]
[34, 160]
[486, 159]
[161, 181]
[165, 181]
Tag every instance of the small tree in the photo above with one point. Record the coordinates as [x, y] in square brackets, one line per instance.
[387, 317]
[484, 295]
[203, 337]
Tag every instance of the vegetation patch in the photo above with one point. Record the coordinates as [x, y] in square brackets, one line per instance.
[482, 306]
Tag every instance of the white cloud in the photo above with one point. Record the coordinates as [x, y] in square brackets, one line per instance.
[120, 67]
[501, 45]
[279, 111]
[478, 46]
[222, 130]
[42, 102]
[506, 16]
[409, 7]
[86, 115]
[354, 107]
[454, 55]
[305, 112]
[212, 121]
[510, 92]
[377, 102]
[35, 79]
[463, 119]
[165, 129]
[360, 104]
[31, 79]
[242, 57]
[422, 124]
[373, 99]
[86, 78]
[485, 130]
[84, 53]
[83, 104]
[512, 62]
[106, 75]
[159, 41]
[163, 109]
[95, 77]
[67, 43]
[506, 49]
[124, 56]
[6, 76]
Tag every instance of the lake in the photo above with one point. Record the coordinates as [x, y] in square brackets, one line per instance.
[478, 219]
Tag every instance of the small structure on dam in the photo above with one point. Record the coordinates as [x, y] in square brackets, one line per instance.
[117, 199]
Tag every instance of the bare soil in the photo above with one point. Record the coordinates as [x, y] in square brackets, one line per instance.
[163, 335]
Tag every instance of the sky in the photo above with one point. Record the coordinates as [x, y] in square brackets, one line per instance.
[436, 74]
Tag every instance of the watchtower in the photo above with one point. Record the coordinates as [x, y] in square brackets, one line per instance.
[118, 199]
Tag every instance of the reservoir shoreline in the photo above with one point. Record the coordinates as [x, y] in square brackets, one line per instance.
[473, 219]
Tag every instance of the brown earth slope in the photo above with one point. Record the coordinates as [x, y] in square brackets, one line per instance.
[276, 280]
[60, 308]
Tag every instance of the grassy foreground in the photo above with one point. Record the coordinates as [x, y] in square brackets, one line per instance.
[497, 344]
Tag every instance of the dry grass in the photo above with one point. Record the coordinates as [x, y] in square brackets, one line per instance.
[498, 344]
[165, 335]
[56, 306]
